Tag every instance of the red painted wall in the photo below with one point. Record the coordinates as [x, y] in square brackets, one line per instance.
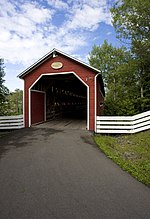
[37, 107]
[86, 74]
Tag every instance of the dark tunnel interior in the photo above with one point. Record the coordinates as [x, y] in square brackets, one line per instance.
[66, 96]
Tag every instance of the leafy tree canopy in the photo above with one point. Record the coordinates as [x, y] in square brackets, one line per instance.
[131, 19]
[106, 58]
[119, 70]
[15, 102]
[3, 90]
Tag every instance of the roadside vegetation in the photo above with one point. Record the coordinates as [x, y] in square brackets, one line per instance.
[11, 103]
[130, 152]
[126, 69]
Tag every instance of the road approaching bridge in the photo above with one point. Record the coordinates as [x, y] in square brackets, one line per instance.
[60, 173]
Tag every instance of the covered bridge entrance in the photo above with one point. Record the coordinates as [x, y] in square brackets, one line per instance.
[60, 86]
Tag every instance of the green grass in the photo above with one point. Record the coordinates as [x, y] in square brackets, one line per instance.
[130, 152]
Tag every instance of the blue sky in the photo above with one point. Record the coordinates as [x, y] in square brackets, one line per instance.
[30, 29]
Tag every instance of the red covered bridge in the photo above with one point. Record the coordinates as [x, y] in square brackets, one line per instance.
[59, 85]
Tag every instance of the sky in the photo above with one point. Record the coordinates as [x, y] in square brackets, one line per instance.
[30, 29]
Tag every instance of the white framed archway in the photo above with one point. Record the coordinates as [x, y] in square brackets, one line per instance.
[59, 73]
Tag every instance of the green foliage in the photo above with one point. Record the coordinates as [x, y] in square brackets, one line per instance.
[106, 58]
[126, 73]
[11, 103]
[3, 90]
[119, 70]
[131, 20]
[130, 152]
[2, 73]
[15, 102]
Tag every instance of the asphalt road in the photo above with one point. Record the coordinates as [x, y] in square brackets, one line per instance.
[47, 173]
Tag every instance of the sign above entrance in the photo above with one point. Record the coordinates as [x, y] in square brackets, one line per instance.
[57, 65]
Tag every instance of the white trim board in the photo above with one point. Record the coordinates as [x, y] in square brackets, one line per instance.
[60, 73]
[95, 84]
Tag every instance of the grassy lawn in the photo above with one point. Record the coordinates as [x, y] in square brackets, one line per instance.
[130, 152]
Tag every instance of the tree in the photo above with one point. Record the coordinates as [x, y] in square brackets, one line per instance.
[3, 90]
[118, 70]
[131, 21]
[11, 103]
[15, 102]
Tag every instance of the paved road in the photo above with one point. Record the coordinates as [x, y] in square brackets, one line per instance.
[47, 173]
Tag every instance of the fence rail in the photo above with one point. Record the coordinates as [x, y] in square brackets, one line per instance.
[11, 122]
[123, 124]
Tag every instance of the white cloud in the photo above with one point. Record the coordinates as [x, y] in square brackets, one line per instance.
[4, 36]
[23, 22]
[22, 31]
[89, 18]
[92, 3]
[58, 4]
[6, 8]
[35, 13]
[28, 31]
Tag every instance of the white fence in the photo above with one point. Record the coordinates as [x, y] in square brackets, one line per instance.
[11, 122]
[123, 124]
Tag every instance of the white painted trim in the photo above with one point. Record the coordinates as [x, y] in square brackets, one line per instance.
[45, 107]
[11, 122]
[11, 117]
[77, 60]
[95, 84]
[30, 89]
[60, 73]
[88, 107]
[135, 117]
[123, 124]
[29, 106]
[47, 56]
